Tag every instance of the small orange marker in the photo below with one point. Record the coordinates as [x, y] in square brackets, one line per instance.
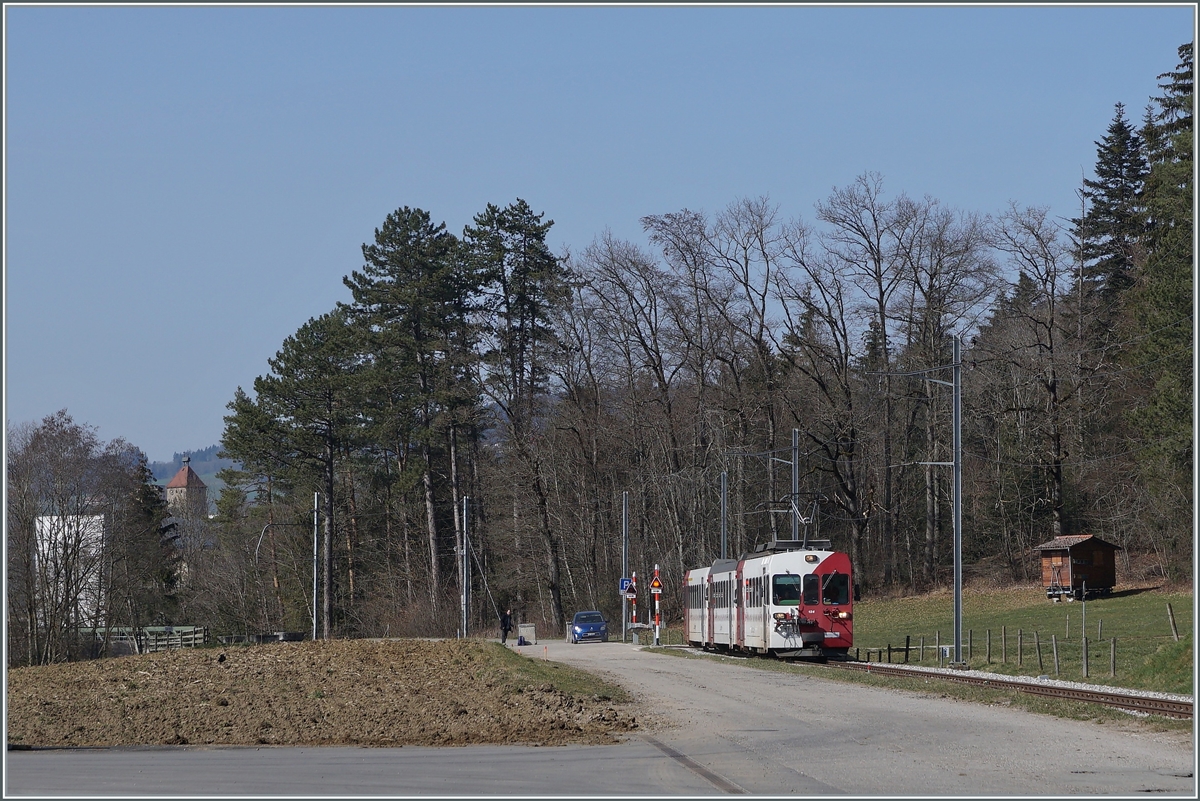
[545, 652]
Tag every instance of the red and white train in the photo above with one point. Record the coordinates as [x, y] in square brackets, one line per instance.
[789, 598]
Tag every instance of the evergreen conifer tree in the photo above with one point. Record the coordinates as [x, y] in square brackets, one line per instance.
[1111, 229]
[1161, 306]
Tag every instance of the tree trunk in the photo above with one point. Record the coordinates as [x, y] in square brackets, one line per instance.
[327, 594]
[435, 583]
[460, 544]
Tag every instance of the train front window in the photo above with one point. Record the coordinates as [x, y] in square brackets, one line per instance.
[835, 588]
[785, 590]
[812, 589]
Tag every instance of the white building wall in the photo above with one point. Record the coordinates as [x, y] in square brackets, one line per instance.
[68, 559]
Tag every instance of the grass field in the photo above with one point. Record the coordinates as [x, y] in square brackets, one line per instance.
[1147, 654]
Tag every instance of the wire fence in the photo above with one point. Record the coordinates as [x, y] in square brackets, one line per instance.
[1022, 652]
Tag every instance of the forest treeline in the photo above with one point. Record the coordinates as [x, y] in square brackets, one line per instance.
[544, 387]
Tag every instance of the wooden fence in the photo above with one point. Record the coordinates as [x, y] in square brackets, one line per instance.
[149, 639]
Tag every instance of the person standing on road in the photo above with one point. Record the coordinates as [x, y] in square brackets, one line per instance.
[505, 625]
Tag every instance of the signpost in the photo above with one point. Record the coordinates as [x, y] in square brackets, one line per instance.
[631, 594]
[656, 591]
[628, 593]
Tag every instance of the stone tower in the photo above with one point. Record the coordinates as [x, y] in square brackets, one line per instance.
[187, 495]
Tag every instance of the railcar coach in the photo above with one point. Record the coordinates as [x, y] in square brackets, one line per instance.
[790, 598]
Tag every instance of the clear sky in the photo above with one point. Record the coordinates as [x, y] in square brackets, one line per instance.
[186, 186]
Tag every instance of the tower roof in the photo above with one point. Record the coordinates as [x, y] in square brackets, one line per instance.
[186, 477]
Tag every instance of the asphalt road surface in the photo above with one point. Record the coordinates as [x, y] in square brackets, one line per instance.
[715, 729]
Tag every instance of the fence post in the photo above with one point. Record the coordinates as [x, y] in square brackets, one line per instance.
[889, 647]
[1112, 658]
[1020, 647]
[906, 649]
[1171, 617]
[922, 657]
[1004, 645]
[989, 646]
[1085, 658]
[1054, 645]
[970, 644]
[1037, 642]
[1100, 630]
[1068, 627]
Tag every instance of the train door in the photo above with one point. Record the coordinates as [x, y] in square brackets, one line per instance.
[710, 617]
[765, 608]
[738, 592]
[687, 604]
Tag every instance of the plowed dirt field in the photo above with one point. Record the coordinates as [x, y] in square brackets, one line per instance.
[341, 692]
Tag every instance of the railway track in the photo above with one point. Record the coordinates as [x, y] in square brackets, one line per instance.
[1147, 704]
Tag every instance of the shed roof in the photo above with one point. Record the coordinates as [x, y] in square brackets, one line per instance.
[1070, 541]
[186, 477]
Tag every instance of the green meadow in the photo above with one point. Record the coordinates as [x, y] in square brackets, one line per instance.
[1020, 620]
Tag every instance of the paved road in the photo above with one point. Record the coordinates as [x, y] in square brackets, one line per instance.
[720, 729]
[773, 732]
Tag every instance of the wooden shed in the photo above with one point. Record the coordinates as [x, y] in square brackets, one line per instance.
[1076, 564]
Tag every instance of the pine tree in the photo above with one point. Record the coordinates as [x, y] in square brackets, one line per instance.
[1162, 304]
[523, 284]
[412, 300]
[305, 415]
[1112, 228]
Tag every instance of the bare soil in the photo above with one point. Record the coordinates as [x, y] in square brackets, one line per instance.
[342, 692]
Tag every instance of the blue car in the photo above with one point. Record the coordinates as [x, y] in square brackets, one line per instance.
[588, 626]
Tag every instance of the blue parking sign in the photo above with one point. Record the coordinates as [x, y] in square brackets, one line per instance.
[625, 585]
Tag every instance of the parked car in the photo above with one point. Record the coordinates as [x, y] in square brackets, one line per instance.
[588, 626]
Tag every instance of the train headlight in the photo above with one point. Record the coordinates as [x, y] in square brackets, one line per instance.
[843, 615]
[780, 616]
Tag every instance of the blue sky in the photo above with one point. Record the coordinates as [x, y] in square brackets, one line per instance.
[186, 186]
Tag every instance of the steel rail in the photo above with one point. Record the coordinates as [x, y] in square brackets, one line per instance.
[1165, 707]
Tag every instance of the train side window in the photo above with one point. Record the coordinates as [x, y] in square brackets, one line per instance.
[812, 589]
[835, 588]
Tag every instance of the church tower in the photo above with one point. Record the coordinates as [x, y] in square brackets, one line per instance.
[187, 495]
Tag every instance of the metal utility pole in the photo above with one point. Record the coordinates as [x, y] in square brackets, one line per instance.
[724, 513]
[956, 465]
[465, 572]
[316, 508]
[624, 558]
[957, 359]
[795, 484]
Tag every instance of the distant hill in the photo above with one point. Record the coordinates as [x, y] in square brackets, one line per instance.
[205, 462]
